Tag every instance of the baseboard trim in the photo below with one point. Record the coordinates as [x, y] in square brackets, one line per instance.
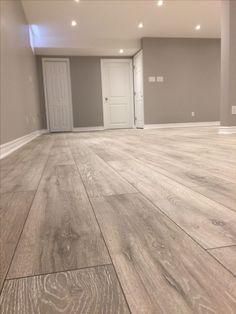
[181, 125]
[89, 129]
[227, 130]
[9, 147]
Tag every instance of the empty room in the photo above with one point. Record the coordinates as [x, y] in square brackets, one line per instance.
[118, 157]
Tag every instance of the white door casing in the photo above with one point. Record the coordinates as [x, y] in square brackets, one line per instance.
[117, 92]
[138, 90]
[57, 90]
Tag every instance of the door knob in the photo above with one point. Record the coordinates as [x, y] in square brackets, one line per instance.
[106, 98]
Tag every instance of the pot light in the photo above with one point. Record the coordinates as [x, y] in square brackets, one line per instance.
[198, 27]
[160, 3]
[73, 23]
[76, 1]
[121, 51]
[140, 25]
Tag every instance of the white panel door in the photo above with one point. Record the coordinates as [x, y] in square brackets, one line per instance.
[138, 90]
[58, 94]
[117, 90]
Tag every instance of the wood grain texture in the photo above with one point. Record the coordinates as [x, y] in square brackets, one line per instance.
[209, 223]
[160, 268]
[26, 173]
[186, 168]
[22, 154]
[61, 232]
[225, 195]
[189, 174]
[98, 177]
[14, 208]
[227, 256]
[110, 154]
[184, 171]
[60, 152]
[88, 291]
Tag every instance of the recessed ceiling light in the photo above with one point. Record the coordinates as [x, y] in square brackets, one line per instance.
[77, 1]
[73, 23]
[160, 3]
[140, 25]
[198, 27]
[121, 51]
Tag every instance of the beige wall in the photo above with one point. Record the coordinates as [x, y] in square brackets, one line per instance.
[191, 70]
[21, 112]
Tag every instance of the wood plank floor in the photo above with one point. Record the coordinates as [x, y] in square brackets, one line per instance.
[61, 232]
[148, 263]
[90, 291]
[120, 221]
[14, 208]
[227, 256]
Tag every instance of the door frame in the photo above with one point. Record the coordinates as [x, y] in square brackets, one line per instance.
[123, 60]
[139, 54]
[67, 60]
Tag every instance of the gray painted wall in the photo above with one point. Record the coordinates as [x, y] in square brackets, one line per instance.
[21, 112]
[228, 63]
[191, 70]
[86, 90]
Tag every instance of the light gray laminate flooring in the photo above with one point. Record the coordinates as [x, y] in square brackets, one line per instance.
[120, 221]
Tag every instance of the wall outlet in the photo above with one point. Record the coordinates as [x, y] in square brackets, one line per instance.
[193, 114]
[160, 79]
[233, 109]
[151, 79]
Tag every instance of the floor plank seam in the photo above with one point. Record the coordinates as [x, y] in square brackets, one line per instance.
[118, 279]
[177, 225]
[220, 247]
[9, 266]
[24, 223]
[191, 188]
[153, 238]
[221, 264]
[61, 271]
[118, 174]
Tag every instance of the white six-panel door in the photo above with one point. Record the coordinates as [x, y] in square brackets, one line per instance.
[57, 89]
[138, 90]
[117, 90]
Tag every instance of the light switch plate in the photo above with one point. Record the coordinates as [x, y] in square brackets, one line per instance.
[151, 79]
[160, 79]
[233, 109]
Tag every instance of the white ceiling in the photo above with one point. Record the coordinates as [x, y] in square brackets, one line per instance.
[106, 26]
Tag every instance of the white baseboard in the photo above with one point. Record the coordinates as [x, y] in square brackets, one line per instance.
[89, 129]
[181, 125]
[10, 147]
[227, 130]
